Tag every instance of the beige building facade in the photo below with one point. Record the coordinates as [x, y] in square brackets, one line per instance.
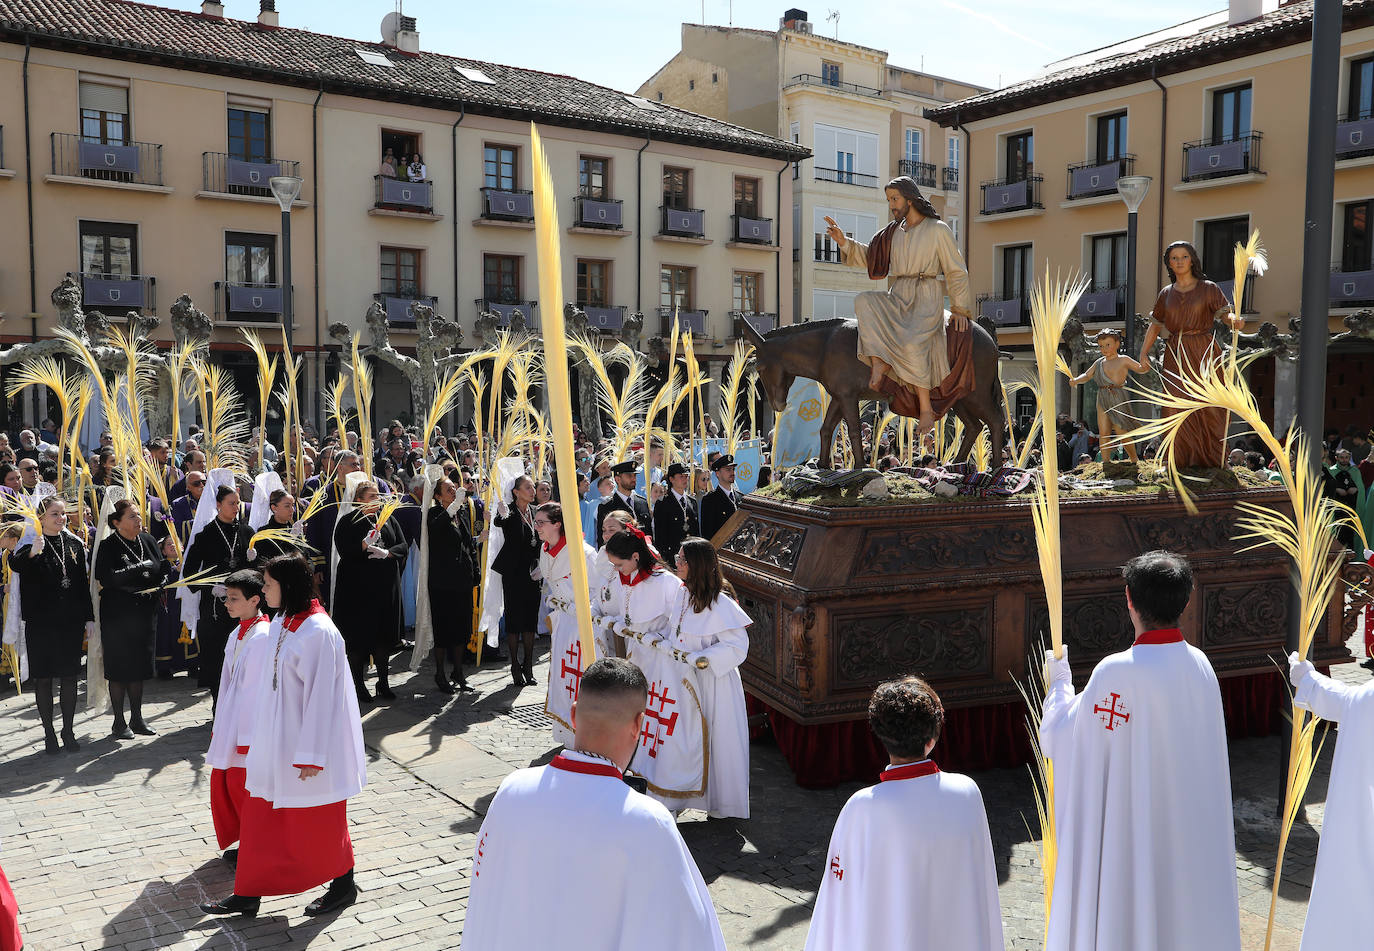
[1213, 111]
[143, 157]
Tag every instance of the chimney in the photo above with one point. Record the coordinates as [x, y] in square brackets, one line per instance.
[1243, 11]
[792, 17]
[209, 8]
[267, 15]
[399, 32]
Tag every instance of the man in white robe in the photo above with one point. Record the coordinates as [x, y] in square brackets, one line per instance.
[910, 862]
[1147, 857]
[1337, 914]
[627, 881]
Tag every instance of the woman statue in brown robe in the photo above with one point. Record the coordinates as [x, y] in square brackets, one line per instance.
[1183, 316]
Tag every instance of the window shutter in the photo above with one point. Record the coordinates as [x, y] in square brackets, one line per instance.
[104, 98]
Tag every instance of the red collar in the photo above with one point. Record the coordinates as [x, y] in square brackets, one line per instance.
[553, 552]
[245, 625]
[640, 575]
[294, 622]
[591, 769]
[925, 767]
[1165, 635]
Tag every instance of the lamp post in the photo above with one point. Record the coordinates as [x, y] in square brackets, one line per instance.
[1132, 189]
[285, 188]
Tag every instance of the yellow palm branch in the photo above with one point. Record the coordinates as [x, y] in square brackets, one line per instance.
[734, 381]
[1248, 257]
[267, 375]
[362, 400]
[282, 536]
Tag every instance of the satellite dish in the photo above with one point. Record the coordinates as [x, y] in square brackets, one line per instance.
[391, 24]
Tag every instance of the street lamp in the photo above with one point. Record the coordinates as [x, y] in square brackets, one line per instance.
[1132, 189]
[285, 188]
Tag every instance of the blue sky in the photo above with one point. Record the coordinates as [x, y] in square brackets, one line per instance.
[620, 43]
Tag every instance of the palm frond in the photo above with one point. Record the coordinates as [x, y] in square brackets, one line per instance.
[267, 374]
[445, 399]
[734, 382]
[362, 400]
[282, 536]
[1248, 257]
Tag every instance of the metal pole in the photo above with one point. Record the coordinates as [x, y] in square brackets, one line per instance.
[288, 304]
[1132, 219]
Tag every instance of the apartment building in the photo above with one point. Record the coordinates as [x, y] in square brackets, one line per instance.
[136, 145]
[1214, 112]
[862, 118]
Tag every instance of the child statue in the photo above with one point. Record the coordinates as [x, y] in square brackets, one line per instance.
[1110, 373]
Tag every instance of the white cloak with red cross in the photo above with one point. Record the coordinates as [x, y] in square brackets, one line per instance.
[673, 742]
[566, 662]
[625, 879]
[910, 865]
[1147, 855]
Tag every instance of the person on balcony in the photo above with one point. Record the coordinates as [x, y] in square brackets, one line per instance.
[388, 168]
[416, 170]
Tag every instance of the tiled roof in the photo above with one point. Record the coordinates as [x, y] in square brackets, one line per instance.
[1289, 24]
[122, 30]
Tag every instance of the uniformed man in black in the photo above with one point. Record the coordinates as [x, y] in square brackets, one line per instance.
[720, 503]
[624, 499]
[675, 515]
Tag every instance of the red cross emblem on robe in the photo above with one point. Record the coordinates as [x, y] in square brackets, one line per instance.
[1112, 712]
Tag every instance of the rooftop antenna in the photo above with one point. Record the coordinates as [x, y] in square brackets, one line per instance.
[835, 15]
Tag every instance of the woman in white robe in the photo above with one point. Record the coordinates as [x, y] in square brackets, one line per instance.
[566, 662]
[638, 595]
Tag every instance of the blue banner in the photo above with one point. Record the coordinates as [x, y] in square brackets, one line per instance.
[799, 426]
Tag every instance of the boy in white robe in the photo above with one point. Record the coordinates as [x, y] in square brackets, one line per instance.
[626, 881]
[1337, 914]
[910, 862]
[1147, 856]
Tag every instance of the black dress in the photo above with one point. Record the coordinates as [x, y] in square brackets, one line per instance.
[128, 619]
[518, 556]
[452, 574]
[223, 548]
[367, 591]
[55, 602]
[270, 548]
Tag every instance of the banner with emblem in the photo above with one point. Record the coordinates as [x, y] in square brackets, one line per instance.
[748, 459]
[672, 750]
[797, 435]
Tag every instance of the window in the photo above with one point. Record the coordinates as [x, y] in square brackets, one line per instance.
[952, 152]
[855, 155]
[250, 258]
[677, 187]
[593, 177]
[1361, 99]
[105, 113]
[715, 78]
[796, 139]
[499, 166]
[953, 222]
[1016, 271]
[691, 84]
[593, 283]
[1020, 156]
[912, 151]
[675, 287]
[401, 275]
[109, 249]
[748, 292]
[1111, 137]
[501, 278]
[1109, 261]
[1230, 114]
[1357, 246]
[830, 73]
[828, 304]
[402, 145]
[747, 197]
[1219, 239]
[853, 224]
[249, 135]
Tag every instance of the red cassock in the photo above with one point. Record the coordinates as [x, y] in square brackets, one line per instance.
[289, 851]
[227, 799]
[10, 938]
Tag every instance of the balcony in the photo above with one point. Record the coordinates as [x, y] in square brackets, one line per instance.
[600, 214]
[505, 309]
[1351, 287]
[682, 222]
[1101, 303]
[693, 320]
[762, 323]
[846, 177]
[923, 172]
[250, 303]
[77, 160]
[397, 307]
[1003, 311]
[748, 230]
[403, 197]
[1209, 159]
[1002, 197]
[1354, 136]
[811, 79]
[222, 174]
[1095, 179]
[950, 179]
[507, 204]
[604, 319]
[117, 292]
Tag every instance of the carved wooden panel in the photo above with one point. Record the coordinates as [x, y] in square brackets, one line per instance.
[1359, 579]
[910, 551]
[767, 543]
[1198, 533]
[1244, 613]
[1094, 626]
[952, 644]
[763, 633]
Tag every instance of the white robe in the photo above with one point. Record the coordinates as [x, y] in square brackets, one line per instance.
[910, 865]
[1147, 857]
[646, 609]
[627, 881]
[566, 662]
[1337, 914]
[241, 689]
[311, 719]
[718, 634]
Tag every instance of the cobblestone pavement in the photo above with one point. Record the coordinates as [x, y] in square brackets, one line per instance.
[112, 847]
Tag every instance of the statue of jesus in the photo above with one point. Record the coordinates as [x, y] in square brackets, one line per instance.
[902, 329]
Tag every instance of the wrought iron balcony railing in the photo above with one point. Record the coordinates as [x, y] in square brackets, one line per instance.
[397, 306]
[117, 293]
[1355, 135]
[1091, 179]
[923, 172]
[606, 214]
[1351, 286]
[949, 179]
[507, 204]
[226, 175]
[682, 222]
[811, 79]
[135, 163]
[1004, 196]
[1102, 303]
[761, 322]
[397, 194]
[1002, 310]
[693, 320]
[845, 177]
[604, 319]
[504, 310]
[250, 303]
[751, 230]
[1211, 158]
